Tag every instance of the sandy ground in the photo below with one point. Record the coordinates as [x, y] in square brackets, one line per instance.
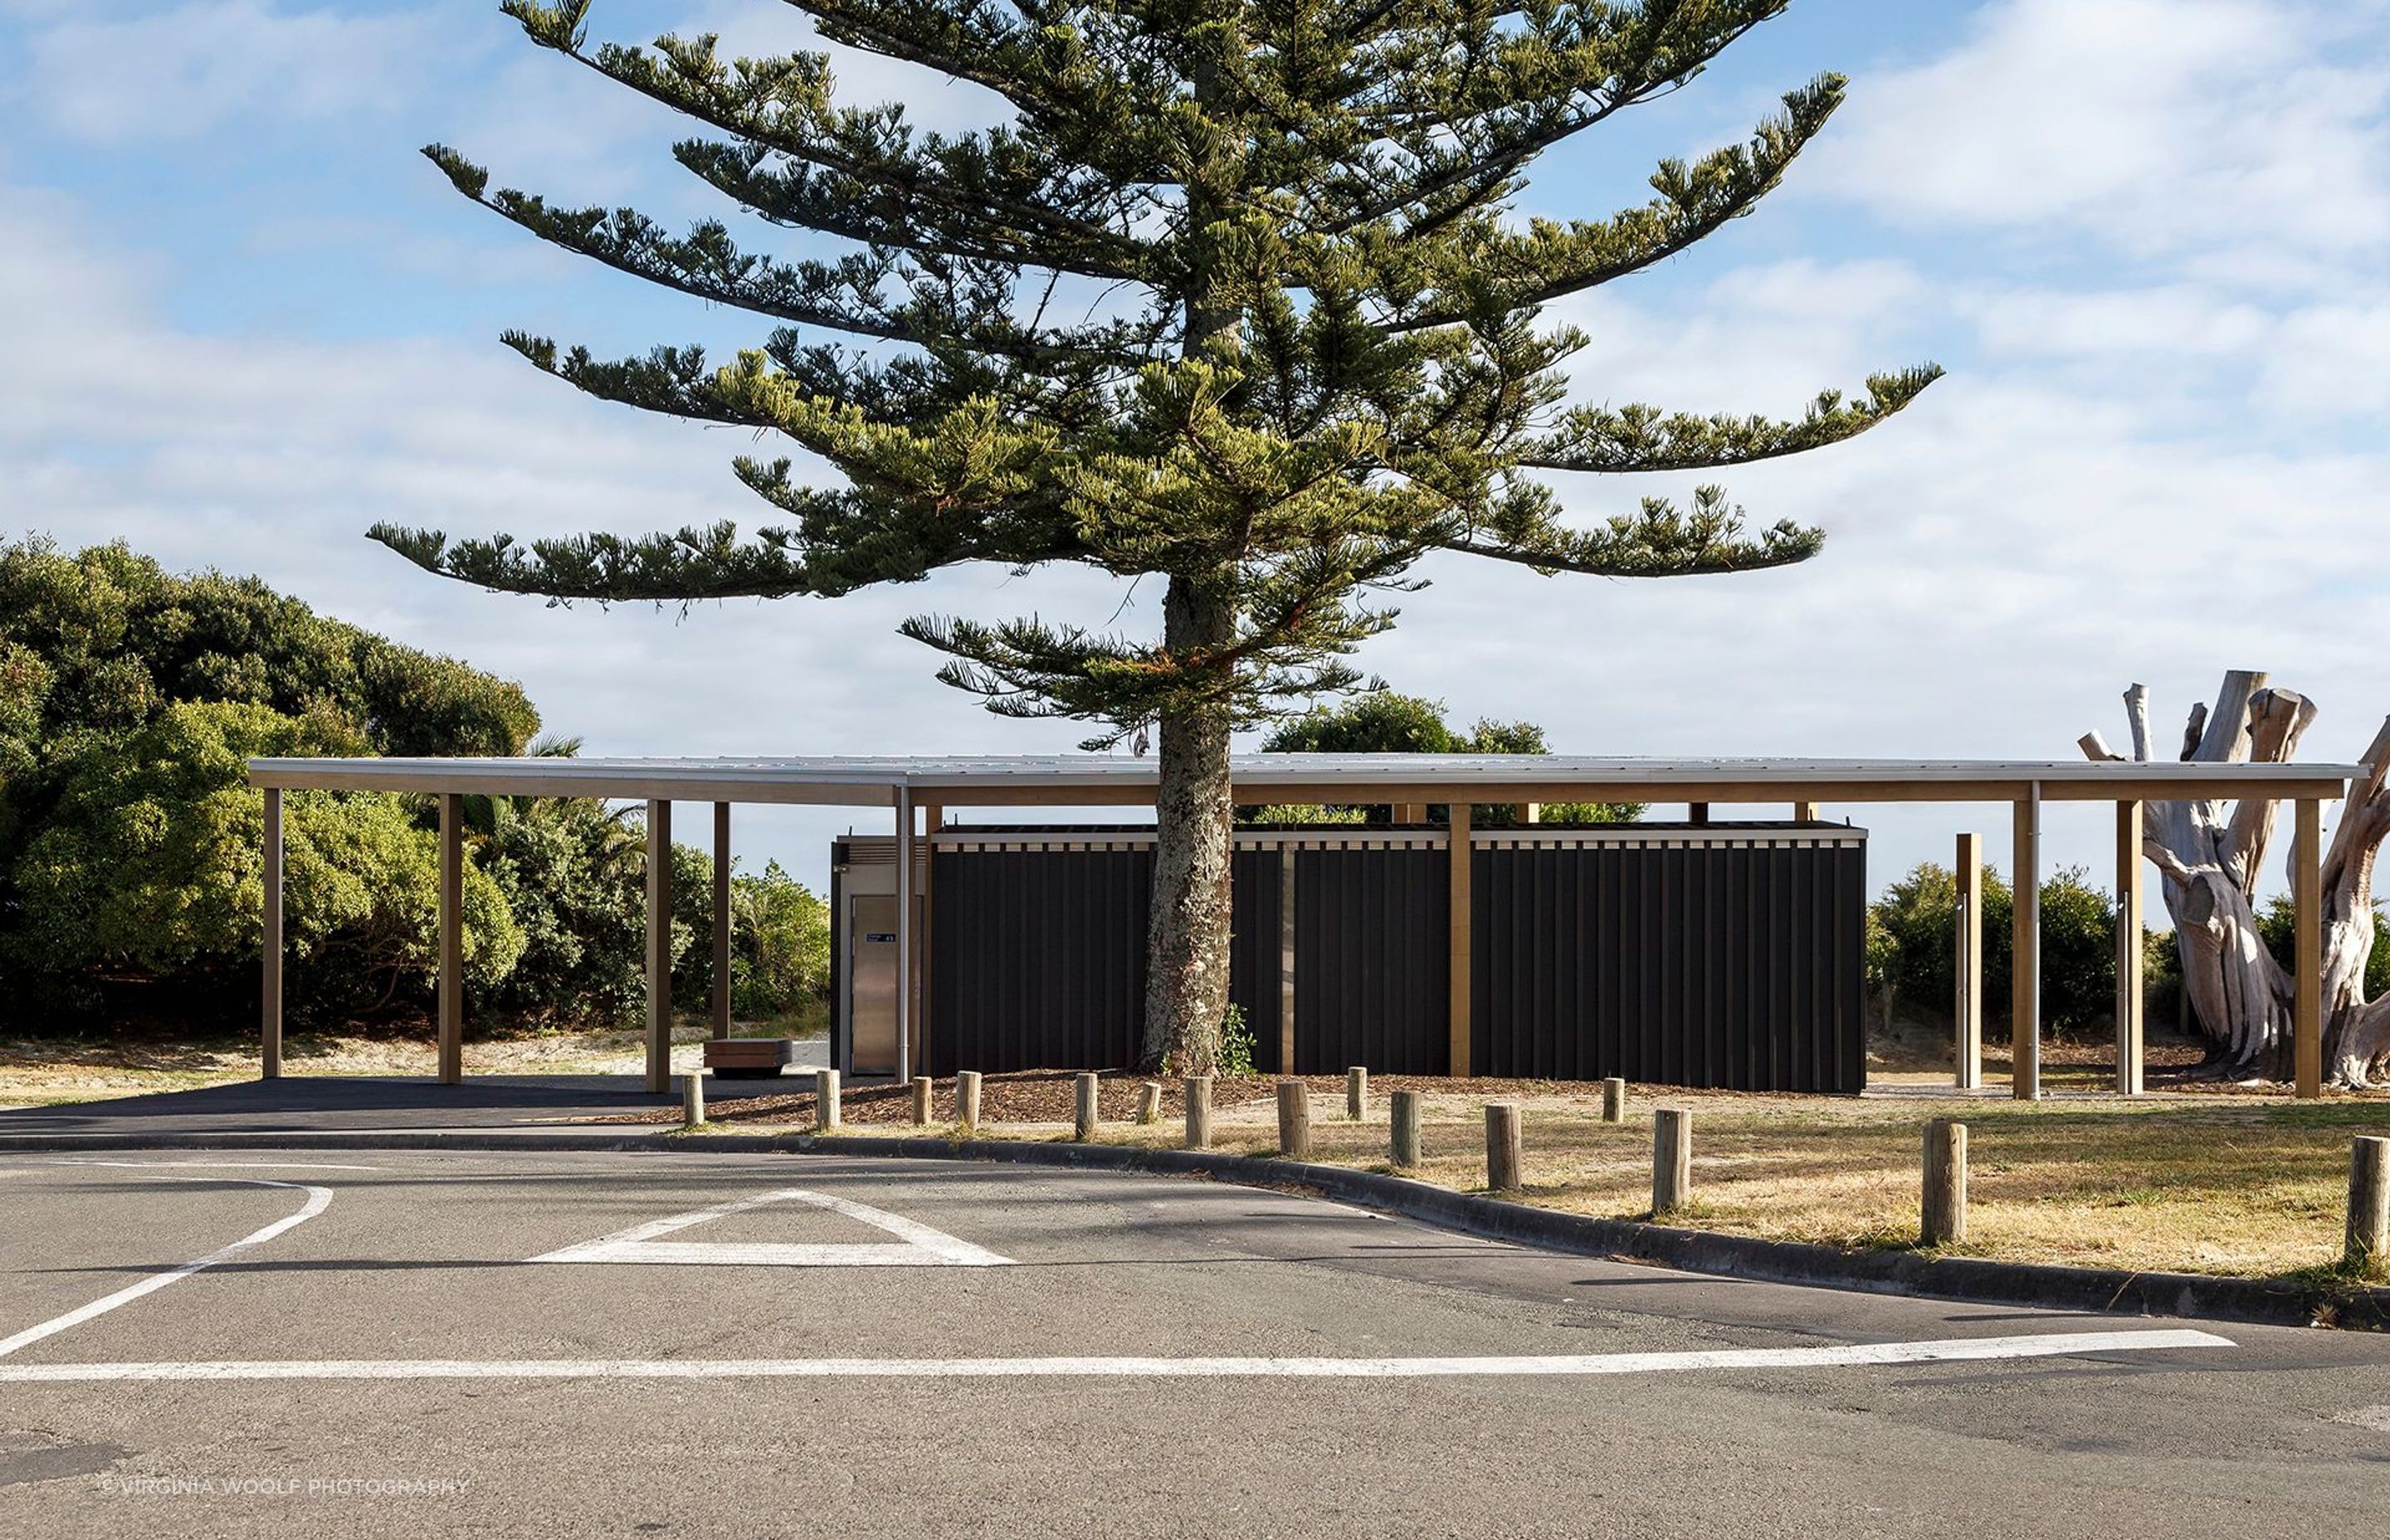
[37, 1072]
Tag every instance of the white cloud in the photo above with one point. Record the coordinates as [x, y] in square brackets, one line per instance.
[2250, 137]
[272, 454]
[183, 73]
[2108, 488]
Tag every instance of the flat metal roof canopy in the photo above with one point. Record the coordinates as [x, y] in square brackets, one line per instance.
[1093, 779]
[908, 785]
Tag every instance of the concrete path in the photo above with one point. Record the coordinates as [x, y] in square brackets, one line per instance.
[355, 1104]
[394, 1342]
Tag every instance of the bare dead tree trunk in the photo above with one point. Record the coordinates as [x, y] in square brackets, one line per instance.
[2208, 855]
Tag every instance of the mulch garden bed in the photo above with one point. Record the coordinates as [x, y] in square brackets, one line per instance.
[1051, 1096]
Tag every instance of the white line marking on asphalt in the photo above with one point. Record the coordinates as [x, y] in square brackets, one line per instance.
[919, 1245]
[1952, 1350]
[318, 1200]
[213, 1165]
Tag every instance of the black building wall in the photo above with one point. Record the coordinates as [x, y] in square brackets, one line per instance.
[1037, 957]
[1372, 959]
[1677, 956]
[1711, 964]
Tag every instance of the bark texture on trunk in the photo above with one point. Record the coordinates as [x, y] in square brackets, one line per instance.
[1187, 978]
[2208, 855]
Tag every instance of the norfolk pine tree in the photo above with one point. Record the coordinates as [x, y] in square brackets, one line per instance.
[1236, 300]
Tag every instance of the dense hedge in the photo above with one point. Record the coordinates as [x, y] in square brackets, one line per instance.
[1912, 951]
[130, 871]
[1381, 722]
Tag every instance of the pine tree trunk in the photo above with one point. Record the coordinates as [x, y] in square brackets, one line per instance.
[1187, 978]
[1187, 940]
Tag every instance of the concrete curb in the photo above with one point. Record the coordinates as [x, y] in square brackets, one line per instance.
[2270, 1301]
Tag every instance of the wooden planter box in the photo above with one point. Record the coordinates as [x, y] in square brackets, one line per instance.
[745, 1058]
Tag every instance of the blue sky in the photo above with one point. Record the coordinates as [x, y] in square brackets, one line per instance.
[240, 319]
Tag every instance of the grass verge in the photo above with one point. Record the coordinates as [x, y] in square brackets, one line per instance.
[2235, 1184]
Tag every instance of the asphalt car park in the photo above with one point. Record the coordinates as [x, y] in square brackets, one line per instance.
[570, 1343]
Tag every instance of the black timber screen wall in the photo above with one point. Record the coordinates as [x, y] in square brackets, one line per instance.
[1700, 961]
[1372, 959]
[1718, 954]
[1037, 957]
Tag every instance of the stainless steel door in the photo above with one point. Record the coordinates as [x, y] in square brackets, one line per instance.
[871, 972]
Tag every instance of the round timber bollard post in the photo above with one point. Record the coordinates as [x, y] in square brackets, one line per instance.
[1199, 1112]
[1404, 1116]
[1149, 1102]
[1293, 1120]
[1944, 1217]
[967, 1098]
[1672, 1160]
[1504, 1158]
[921, 1085]
[2368, 1204]
[1613, 1100]
[693, 1101]
[1356, 1093]
[1083, 1126]
[825, 1105]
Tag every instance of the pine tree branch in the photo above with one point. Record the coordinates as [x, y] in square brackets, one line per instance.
[694, 564]
[1521, 91]
[1638, 437]
[784, 105]
[1502, 270]
[870, 210]
[1659, 540]
[946, 304]
[907, 390]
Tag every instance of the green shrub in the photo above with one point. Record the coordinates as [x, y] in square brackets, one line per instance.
[130, 698]
[1381, 722]
[1236, 1043]
[150, 865]
[1912, 950]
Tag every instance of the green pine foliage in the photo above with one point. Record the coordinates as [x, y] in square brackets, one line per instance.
[1317, 359]
[1238, 299]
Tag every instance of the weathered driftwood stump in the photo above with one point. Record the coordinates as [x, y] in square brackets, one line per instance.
[2208, 855]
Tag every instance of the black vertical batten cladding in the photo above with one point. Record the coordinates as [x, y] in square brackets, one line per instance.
[1715, 955]
[1372, 958]
[1726, 956]
[1038, 955]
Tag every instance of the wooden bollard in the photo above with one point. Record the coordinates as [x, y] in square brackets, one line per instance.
[1613, 1100]
[1083, 1126]
[1149, 1102]
[1199, 1112]
[2368, 1204]
[826, 1107]
[1405, 1115]
[1504, 1158]
[1944, 1219]
[921, 1085]
[693, 1101]
[1356, 1093]
[1293, 1120]
[1672, 1159]
[967, 1098]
